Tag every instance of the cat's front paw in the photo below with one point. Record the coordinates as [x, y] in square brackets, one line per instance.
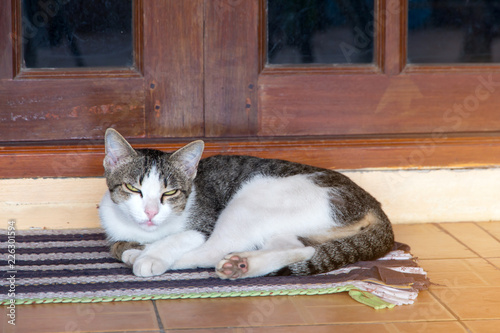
[129, 256]
[147, 266]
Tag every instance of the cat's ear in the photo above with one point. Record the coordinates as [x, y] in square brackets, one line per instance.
[187, 157]
[118, 150]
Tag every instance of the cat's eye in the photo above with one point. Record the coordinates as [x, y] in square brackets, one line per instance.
[170, 193]
[132, 188]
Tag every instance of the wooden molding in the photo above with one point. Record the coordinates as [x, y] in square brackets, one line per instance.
[356, 153]
[106, 73]
[64, 73]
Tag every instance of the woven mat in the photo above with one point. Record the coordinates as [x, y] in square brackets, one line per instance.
[71, 266]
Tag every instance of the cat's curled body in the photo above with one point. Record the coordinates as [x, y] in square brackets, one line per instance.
[242, 215]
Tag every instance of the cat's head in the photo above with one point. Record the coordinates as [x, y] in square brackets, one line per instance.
[149, 185]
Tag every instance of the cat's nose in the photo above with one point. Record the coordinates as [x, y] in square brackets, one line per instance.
[151, 212]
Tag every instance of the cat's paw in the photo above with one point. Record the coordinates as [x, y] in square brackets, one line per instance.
[129, 256]
[232, 267]
[147, 266]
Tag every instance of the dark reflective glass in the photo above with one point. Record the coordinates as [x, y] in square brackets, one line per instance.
[77, 33]
[454, 31]
[320, 31]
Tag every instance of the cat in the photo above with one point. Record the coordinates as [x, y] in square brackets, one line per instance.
[244, 216]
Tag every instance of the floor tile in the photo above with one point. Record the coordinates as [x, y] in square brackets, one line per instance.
[471, 303]
[448, 327]
[212, 330]
[495, 261]
[483, 326]
[492, 227]
[474, 237]
[96, 317]
[428, 241]
[319, 310]
[460, 273]
[429, 326]
[228, 312]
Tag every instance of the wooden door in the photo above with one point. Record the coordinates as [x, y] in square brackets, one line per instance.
[201, 69]
[388, 113]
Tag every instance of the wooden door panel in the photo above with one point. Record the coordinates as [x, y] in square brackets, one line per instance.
[161, 96]
[174, 68]
[70, 109]
[232, 67]
[378, 104]
[6, 41]
[318, 104]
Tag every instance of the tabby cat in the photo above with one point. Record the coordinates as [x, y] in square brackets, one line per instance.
[244, 216]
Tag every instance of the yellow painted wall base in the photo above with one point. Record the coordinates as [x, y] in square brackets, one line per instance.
[421, 196]
[69, 203]
[408, 196]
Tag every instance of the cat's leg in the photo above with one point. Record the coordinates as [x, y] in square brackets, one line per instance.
[277, 252]
[226, 238]
[210, 252]
[282, 242]
[260, 263]
[159, 256]
[221, 243]
[207, 255]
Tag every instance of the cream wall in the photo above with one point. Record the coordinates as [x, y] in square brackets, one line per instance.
[408, 196]
[419, 196]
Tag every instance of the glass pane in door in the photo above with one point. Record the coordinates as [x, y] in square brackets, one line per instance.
[453, 31]
[320, 31]
[77, 33]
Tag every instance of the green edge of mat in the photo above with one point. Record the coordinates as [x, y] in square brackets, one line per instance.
[361, 296]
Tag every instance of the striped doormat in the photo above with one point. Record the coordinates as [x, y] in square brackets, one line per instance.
[71, 266]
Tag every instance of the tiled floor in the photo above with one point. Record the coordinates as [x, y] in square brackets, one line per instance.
[463, 259]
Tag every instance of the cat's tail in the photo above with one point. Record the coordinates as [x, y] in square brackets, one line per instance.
[367, 239]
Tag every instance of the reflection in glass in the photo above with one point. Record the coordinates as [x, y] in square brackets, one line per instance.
[77, 33]
[320, 31]
[454, 31]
